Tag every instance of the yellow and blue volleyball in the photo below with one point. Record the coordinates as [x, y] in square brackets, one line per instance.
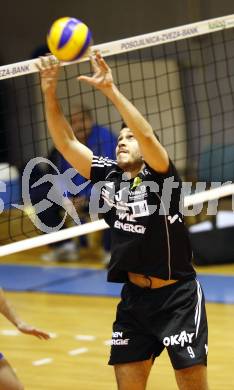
[68, 39]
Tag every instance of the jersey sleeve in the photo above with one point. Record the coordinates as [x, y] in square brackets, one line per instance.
[100, 168]
[172, 171]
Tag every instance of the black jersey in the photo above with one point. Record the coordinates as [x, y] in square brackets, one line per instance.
[148, 235]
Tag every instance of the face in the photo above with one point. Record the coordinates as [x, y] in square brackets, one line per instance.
[128, 152]
[81, 125]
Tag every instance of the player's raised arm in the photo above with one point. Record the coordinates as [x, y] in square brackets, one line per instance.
[77, 154]
[152, 151]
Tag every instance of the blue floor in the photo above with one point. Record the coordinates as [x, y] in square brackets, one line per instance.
[61, 280]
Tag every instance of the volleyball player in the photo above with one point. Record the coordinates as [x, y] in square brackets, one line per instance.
[8, 378]
[162, 304]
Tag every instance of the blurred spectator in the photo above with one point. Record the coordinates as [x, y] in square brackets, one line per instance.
[102, 142]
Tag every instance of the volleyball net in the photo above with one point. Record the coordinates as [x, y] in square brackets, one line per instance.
[182, 81]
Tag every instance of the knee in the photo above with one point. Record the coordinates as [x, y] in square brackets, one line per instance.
[192, 378]
[132, 375]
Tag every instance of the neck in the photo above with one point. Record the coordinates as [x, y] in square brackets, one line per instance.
[134, 171]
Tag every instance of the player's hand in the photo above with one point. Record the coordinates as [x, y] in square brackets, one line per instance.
[49, 69]
[28, 329]
[102, 77]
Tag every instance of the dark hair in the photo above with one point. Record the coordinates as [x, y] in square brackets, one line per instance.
[123, 125]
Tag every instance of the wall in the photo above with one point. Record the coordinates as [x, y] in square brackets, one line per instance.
[25, 23]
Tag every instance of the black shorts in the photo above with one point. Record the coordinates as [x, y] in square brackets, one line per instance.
[148, 320]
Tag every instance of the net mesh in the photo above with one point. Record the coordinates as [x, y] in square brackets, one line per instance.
[184, 89]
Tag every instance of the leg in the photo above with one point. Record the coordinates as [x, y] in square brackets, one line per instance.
[133, 376]
[8, 379]
[192, 378]
[186, 339]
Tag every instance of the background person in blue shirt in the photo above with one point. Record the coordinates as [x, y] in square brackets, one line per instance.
[95, 137]
[102, 142]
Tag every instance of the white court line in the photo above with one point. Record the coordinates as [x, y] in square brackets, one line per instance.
[85, 337]
[53, 335]
[10, 332]
[78, 351]
[41, 362]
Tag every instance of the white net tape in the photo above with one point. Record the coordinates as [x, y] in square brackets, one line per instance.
[133, 43]
[76, 231]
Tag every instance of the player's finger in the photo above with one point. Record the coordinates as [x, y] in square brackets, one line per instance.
[41, 335]
[85, 78]
[38, 66]
[93, 63]
[102, 63]
[44, 62]
[53, 61]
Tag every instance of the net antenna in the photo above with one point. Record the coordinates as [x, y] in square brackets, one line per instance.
[180, 78]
